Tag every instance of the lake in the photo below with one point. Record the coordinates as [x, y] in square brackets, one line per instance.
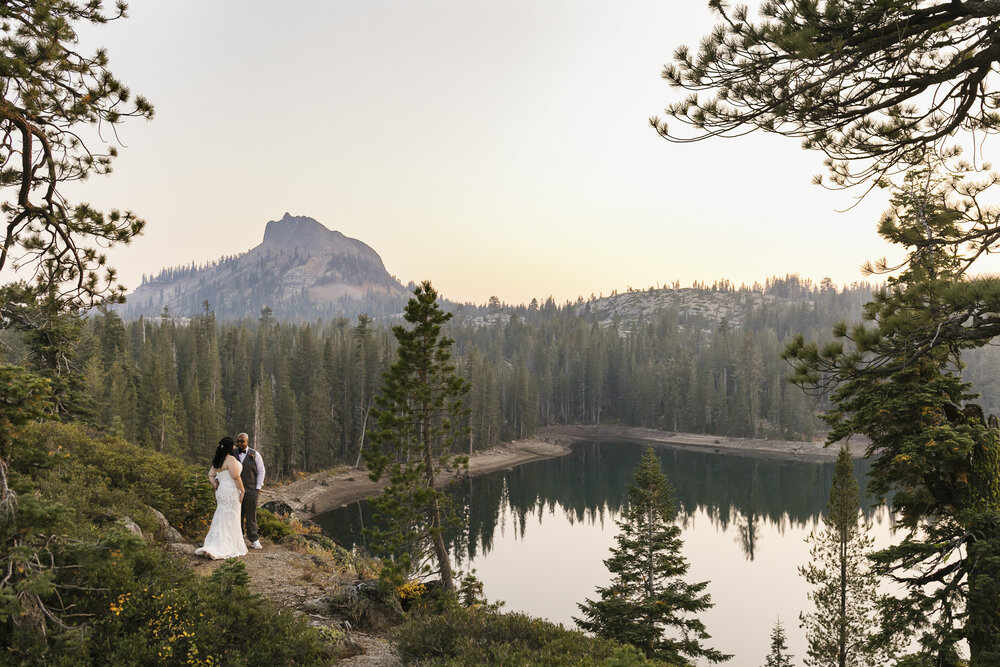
[538, 534]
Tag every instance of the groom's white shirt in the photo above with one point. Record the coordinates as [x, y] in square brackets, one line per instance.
[260, 466]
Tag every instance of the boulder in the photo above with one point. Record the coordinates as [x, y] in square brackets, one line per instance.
[364, 606]
[179, 548]
[164, 531]
[318, 606]
[128, 524]
[278, 508]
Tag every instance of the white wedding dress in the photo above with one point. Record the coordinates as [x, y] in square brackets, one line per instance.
[225, 535]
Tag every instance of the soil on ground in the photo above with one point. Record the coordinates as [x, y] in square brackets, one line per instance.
[299, 582]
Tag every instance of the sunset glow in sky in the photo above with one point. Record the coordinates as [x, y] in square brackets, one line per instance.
[493, 148]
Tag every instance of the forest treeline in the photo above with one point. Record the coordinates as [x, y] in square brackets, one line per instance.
[303, 391]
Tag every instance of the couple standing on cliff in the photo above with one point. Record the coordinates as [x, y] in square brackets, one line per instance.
[237, 473]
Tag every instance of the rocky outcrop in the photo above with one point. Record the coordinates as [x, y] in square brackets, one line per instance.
[364, 605]
[164, 531]
[179, 548]
[131, 526]
[300, 271]
[279, 508]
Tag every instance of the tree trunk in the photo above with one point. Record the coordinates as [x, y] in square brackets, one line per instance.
[364, 430]
[437, 536]
[842, 621]
[8, 499]
[983, 624]
[440, 550]
[650, 587]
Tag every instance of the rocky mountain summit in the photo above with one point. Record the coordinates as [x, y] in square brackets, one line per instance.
[301, 271]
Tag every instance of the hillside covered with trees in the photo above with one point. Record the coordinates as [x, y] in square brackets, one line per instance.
[303, 391]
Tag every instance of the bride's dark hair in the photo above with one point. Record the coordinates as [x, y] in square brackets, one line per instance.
[224, 449]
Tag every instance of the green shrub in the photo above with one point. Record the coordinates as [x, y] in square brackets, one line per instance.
[461, 636]
[106, 477]
[366, 606]
[142, 607]
[162, 613]
[118, 599]
[271, 526]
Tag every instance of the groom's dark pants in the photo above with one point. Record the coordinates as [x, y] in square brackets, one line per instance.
[248, 514]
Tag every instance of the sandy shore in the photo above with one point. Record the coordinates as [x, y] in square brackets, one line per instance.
[325, 491]
[762, 448]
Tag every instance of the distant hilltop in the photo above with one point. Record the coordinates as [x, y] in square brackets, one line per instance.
[301, 271]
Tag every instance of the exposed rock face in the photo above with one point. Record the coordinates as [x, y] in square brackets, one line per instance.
[301, 271]
[164, 532]
[131, 526]
[279, 508]
[306, 233]
[640, 305]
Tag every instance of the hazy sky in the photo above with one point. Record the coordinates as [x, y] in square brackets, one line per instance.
[493, 148]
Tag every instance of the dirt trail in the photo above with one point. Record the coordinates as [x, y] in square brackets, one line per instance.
[299, 581]
[296, 580]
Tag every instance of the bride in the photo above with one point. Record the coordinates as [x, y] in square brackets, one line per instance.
[225, 535]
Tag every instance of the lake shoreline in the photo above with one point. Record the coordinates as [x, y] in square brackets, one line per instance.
[790, 450]
[328, 490]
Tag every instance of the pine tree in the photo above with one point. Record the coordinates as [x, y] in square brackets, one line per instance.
[647, 597]
[938, 457]
[844, 589]
[53, 331]
[289, 428]
[264, 433]
[872, 85]
[365, 371]
[53, 96]
[418, 413]
[54, 102]
[779, 655]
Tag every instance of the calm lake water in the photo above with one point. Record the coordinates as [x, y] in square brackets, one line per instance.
[538, 534]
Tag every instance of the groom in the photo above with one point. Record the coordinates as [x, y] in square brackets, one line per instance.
[253, 481]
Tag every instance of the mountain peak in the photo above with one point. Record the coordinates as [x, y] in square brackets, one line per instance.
[301, 270]
[300, 230]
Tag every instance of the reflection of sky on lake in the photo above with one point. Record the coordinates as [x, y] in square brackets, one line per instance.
[558, 561]
[538, 534]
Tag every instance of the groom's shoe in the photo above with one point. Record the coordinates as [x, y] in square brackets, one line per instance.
[256, 545]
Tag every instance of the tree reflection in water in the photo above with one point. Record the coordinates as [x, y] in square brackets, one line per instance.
[588, 485]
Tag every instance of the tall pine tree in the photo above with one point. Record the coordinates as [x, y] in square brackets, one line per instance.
[418, 414]
[897, 382]
[647, 601]
[55, 101]
[841, 629]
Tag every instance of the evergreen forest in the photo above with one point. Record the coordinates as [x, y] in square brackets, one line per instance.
[107, 422]
[303, 391]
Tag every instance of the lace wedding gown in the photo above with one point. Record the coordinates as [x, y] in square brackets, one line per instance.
[225, 535]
